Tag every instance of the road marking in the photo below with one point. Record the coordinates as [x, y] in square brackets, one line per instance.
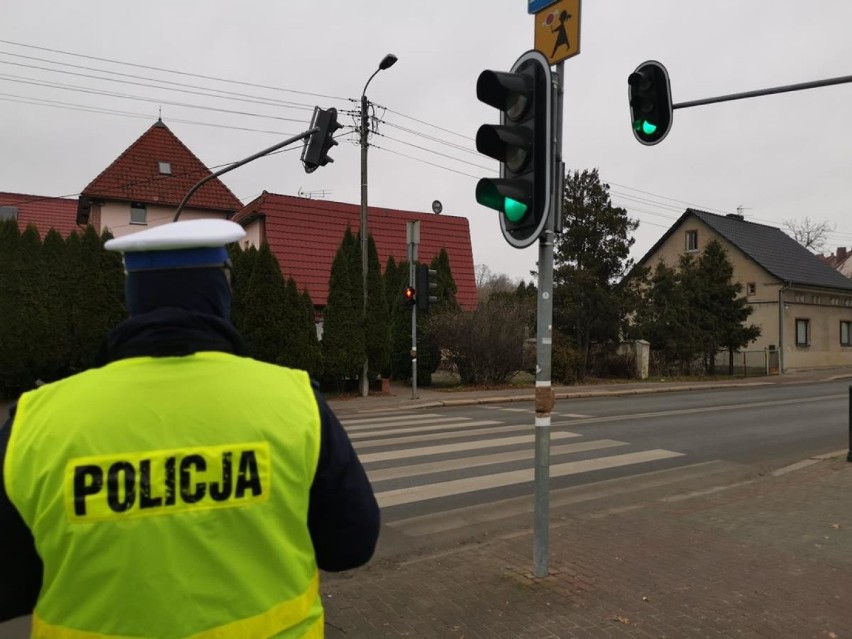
[690, 411]
[413, 494]
[414, 439]
[576, 415]
[401, 421]
[441, 449]
[421, 428]
[446, 465]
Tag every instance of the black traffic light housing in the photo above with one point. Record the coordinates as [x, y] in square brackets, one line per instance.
[650, 96]
[427, 285]
[522, 143]
[315, 152]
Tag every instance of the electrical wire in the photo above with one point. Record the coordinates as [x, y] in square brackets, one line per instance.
[163, 70]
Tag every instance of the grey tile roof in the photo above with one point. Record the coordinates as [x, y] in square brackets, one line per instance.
[775, 251]
[769, 247]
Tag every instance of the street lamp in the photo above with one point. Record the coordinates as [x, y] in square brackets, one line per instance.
[387, 62]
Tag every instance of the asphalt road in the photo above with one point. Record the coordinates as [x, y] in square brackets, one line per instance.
[423, 463]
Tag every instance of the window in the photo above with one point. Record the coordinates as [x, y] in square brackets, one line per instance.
[751, 288]
[692, 240]
[165, 168]
[138, 213]
[846, 333]
[803, 332]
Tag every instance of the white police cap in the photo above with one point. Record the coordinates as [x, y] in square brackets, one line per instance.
[187, 244]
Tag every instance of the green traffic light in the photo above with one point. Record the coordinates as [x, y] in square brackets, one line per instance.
[646, 127]
[514, 210]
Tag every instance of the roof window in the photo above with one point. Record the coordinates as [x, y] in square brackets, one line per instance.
[165, 168]
[8, 213]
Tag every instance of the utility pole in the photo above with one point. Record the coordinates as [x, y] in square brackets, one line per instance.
[387, 62]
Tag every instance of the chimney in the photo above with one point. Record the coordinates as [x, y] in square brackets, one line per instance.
[735, 216]
[841, 253]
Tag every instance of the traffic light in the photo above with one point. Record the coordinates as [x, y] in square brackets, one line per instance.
[523, 145]
[409, 296]
[317, 146]
[425, 282]
[650, 96]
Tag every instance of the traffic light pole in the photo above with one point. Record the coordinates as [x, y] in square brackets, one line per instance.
[412, 257]
[770, 91]
[544, 398]
[237, 165]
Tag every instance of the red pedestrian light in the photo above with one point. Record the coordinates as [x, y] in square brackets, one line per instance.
[409, 296]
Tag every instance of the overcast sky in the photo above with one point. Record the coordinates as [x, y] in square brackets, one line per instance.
[779, 157]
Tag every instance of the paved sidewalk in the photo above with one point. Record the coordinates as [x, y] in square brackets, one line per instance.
[400, 397]
[770, 557]
[766, 558]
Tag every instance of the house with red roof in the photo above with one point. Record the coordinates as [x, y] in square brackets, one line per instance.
[43, 212]
[304, 236]
[145, 184]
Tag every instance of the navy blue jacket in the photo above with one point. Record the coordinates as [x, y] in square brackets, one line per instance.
[343, 516]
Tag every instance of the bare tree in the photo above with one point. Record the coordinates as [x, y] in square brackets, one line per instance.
[809, 233]
[488, 282]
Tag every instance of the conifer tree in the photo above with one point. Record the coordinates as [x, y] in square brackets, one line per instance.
[32, 302]
[377, 329]
[12, 324]
[264, 309]
[399, 362]
[57, 300]
[310, 343]
[343, 347]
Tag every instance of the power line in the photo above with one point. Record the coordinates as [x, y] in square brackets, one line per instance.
[444, 155]
[123, 96]
[183, 73]
[434, 126]
[411, 157]
[204, 92]
[70, 106]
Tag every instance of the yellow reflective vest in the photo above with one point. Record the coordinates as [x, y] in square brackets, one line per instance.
[168, 497]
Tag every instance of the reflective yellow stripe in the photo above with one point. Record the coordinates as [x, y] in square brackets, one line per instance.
[267, 624]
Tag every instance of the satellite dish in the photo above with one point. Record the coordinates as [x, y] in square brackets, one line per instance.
[437, 207]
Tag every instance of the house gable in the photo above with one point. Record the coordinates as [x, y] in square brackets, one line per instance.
[158, 169]
[305, 234]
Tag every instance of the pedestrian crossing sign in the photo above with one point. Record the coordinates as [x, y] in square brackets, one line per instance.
[557, 30]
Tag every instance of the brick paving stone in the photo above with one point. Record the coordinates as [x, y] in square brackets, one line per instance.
[769, 558]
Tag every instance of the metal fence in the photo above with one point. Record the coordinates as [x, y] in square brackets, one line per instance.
[750, 363]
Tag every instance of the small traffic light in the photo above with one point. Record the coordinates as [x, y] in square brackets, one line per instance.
[424, 278]
[523, 145]
[650, 94]
[315, 152]
[409, 296]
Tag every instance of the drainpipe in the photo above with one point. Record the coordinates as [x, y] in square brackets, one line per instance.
[784, 287]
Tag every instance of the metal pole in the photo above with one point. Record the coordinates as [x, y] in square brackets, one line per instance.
[753, 94]
[544, 399]
[365, 385]
[236, 165]
[413, 326]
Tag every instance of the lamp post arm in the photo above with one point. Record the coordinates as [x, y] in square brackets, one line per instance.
[236, 165]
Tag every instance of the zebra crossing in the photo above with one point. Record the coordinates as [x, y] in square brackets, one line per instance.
[415, 459]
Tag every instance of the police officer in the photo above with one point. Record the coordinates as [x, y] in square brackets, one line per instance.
[180, 488]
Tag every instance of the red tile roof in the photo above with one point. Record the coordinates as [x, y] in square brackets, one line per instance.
[44, 212]
[305, 234]
[135, 175]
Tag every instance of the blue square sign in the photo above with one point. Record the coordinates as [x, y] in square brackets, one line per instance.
[534, 6]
